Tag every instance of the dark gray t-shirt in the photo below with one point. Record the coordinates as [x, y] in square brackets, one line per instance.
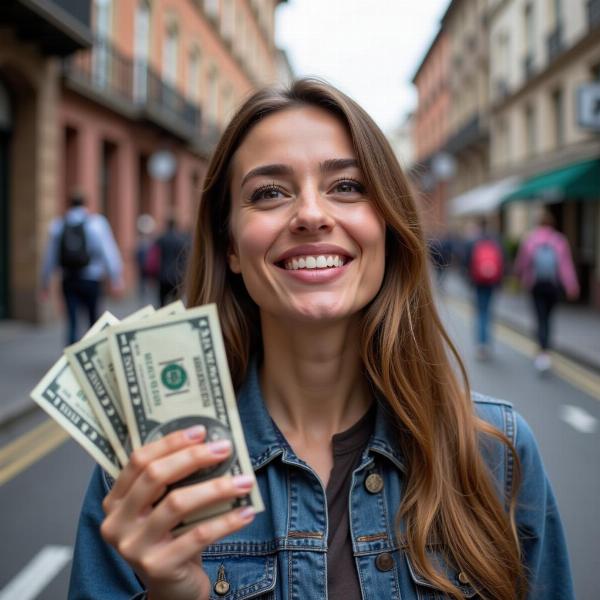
[348, 446]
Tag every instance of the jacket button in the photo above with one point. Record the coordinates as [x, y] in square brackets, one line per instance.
[374, 483]
[462, 577]
[384, 561]
[221, 587]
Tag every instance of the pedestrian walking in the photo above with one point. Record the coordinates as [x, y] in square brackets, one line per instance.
[81, 245]
[364, 444]
[484, 261]
[546, 269]
[167, 260]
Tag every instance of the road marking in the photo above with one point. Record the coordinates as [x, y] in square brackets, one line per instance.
[36, 575]
[16, 447]
[28, 454]
[579, 377]
[578, 418]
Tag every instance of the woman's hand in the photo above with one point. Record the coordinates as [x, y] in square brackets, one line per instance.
[140, 529]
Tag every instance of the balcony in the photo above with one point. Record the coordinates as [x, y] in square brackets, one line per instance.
[501, 89]
[468, 136]
[554, 43]
[131, 88]
[593, 14]
[527, 67]
[56, 27]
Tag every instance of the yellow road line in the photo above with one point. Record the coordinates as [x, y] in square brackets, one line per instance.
[36, 450]
[26, 440]
[583, 379]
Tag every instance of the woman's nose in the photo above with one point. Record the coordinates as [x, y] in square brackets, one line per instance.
[311, 213]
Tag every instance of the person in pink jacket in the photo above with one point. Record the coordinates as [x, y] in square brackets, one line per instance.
[545, 266]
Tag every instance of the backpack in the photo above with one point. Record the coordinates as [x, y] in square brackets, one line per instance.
[487, 263]
[73, 248]
[545, 264]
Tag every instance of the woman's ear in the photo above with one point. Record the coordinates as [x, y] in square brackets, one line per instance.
[233, 259]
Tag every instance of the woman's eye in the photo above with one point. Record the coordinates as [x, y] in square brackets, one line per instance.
[348, 186]
[267, 192]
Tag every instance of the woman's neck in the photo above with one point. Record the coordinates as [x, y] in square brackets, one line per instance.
[312, 378]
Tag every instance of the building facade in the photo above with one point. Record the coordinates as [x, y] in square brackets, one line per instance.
[158, 79]
[430, 133]
[543, 55]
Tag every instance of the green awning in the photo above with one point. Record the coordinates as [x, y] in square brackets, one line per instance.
[579, 181]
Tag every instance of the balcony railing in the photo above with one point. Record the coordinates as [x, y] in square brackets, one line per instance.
[133, 88]
[593, 11]
[554, 43]
[527, 66]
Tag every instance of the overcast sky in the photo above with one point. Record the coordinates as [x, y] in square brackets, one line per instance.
[370, 49]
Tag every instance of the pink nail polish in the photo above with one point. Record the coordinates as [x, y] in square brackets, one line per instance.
[247, 513]
[243, 482]
[196, 432]
[219, 447]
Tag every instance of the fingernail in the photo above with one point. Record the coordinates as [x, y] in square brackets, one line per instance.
[247, 513]
[219, 447]
[243, 482]
[196, 432]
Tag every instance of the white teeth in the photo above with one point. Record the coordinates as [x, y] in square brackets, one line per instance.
[314, 262]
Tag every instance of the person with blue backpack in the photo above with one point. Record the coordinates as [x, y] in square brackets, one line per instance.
[545, 266]
[82, 246]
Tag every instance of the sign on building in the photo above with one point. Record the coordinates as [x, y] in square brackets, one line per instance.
[588, 106]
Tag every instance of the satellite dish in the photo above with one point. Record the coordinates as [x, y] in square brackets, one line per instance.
[443, 166]
[162, 165]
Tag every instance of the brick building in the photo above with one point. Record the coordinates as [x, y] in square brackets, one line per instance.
[146, 76]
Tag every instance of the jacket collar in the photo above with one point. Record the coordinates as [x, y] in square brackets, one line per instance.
[266, 442]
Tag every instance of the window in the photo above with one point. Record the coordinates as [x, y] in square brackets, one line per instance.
[558, 114]
[228, 22]
[193, 79]
[101, 51]
[213, 94]
[141, 50]
[529, 30]
[555, 13]
[170, 52]
[530, 130]
[211, 7]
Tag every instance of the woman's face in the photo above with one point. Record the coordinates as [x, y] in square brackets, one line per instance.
[304, 234]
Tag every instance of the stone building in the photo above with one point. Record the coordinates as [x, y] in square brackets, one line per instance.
[140, 79]
[543, 57]
[430, 133]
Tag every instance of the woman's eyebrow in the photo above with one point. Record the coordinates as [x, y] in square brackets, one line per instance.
[269, 170]
[338, 164]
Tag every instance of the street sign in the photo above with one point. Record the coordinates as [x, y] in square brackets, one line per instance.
[588, 106]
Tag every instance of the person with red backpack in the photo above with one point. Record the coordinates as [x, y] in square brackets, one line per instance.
[485, 269]
[546, 268]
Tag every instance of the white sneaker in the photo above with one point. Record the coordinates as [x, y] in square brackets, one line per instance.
[542, 362]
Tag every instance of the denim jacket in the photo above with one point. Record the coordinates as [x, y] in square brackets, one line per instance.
[282, 554]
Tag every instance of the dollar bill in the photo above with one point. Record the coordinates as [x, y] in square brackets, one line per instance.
[174, 373]
[61, 396]
[92, 364]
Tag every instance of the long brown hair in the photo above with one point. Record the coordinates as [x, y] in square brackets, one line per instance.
[450, 499]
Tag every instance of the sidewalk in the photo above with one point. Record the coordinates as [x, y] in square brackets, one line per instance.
[576, 332]
[27, 351]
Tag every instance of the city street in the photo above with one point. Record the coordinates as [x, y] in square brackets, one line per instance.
[41, 494]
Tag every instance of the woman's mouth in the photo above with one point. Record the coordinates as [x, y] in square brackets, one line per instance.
[319, 261]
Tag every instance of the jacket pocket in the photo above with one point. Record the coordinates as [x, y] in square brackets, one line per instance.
[428, 591]
[241, 577]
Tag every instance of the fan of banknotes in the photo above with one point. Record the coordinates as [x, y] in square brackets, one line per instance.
[130, 382]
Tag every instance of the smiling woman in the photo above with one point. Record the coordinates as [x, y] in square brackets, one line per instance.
[383, 477]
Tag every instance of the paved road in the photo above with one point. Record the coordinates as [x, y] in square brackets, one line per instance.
[39, 505]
